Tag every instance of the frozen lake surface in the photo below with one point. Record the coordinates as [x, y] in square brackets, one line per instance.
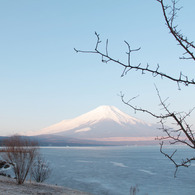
[113, 170]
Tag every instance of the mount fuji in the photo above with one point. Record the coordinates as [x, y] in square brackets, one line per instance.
[105, 123]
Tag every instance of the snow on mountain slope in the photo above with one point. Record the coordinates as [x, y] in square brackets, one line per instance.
[102, 121]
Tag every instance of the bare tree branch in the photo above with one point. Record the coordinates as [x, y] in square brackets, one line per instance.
[182, 79]
[182, 133]
[180, 38]
[184, 163]
[40, 169]
[20, 152]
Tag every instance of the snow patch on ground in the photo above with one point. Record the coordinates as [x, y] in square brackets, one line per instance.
[9, 186]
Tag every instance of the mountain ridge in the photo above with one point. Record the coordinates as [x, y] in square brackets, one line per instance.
[104, 122]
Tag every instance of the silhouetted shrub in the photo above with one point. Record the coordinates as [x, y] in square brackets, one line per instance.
[40, 170]
[20, 152]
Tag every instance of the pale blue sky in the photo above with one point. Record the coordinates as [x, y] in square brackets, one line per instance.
[43, 80]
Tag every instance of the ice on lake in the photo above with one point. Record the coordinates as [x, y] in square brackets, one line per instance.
[114, 170]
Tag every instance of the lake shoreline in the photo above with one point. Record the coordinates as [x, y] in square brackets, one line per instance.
[9, 186]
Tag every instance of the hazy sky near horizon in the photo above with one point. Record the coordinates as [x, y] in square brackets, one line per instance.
[43, 80]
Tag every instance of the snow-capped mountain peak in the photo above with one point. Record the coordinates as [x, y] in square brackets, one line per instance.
[109, 113]
[102, 118]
